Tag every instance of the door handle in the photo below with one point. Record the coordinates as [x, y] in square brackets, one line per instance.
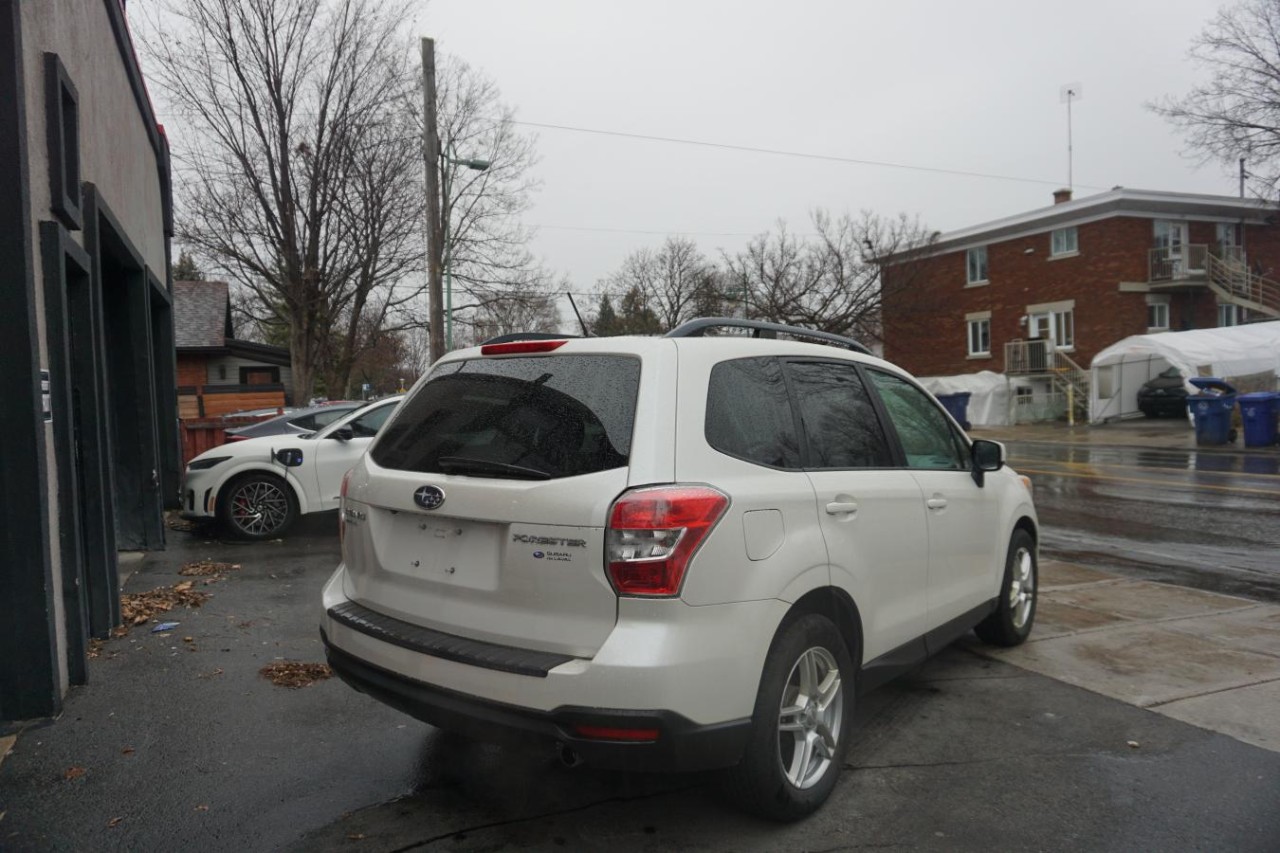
[936, 502]
[841, 507]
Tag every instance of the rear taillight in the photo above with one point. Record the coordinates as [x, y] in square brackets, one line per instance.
[234, 437]
[654, 533]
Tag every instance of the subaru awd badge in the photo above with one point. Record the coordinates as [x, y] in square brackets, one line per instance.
[429, 497]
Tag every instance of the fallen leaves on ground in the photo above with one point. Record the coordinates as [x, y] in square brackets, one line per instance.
[114, 822]
[128, 750]
[216, 671]
[204, 568]
[73, 773]
[202, 808]
[294, 674]
[138, 607]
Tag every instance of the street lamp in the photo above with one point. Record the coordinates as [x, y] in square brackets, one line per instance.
[479, 166]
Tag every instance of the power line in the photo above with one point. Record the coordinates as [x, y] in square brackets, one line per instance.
[801, 154]
[673, 232]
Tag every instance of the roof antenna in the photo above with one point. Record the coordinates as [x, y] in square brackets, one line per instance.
[581, 322]
[1067, 94]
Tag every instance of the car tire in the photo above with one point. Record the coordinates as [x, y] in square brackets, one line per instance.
[257, 506]
[1010, 623]
[797, 706]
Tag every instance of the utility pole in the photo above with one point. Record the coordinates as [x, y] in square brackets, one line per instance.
[435, 243]
[1243, 173]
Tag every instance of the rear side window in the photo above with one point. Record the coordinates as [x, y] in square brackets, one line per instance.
[534, 418]
[840, 424]
[749, 414]
[368, 424]
[927, 437]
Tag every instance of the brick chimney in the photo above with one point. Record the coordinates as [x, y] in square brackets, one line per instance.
[1059, 196]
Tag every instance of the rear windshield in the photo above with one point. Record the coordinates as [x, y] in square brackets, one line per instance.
[539, 417]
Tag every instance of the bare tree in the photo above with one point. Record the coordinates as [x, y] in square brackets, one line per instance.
[530, 313]
[674, 280]
[1237, 112]
[830, 282]
[294, 159]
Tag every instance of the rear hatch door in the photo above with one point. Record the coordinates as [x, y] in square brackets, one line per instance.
[486, 498]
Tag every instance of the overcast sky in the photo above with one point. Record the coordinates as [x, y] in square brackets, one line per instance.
[972, 87]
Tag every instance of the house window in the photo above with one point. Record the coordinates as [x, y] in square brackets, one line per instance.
[222, 371]
[1053, 321]
[62, 134]
[259, 375]
[977, 263]
[1157, 313]
[1064, 241]
[979, 334]
[1225, 233]
[1232, 315]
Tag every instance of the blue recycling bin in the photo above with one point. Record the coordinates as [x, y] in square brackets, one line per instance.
[1258, 414]
[957, 405]
[1211, 409]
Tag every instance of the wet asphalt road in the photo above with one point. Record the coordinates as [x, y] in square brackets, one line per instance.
[1203, 518]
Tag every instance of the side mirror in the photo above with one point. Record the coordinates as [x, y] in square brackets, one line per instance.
[343, 433]
[985, 456]
[289, 458]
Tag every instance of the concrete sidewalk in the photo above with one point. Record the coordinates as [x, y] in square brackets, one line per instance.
[1206, 659]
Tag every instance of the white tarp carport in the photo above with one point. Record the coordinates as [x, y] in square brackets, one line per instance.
[1232, 352]
[989, 403]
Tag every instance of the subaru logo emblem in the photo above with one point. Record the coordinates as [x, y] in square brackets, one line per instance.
[429, 497]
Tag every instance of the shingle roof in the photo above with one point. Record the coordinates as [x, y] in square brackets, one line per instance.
[201, 314]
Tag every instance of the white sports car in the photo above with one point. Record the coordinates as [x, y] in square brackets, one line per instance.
[257, 488]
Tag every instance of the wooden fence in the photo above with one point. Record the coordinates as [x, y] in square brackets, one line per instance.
[201, 411]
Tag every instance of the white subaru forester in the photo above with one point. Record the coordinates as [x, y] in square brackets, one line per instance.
[672, 553]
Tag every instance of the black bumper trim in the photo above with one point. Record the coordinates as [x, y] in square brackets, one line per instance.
[438, 644]
[682, 745]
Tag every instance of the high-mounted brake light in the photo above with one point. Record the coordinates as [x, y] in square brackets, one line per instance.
[519, 347]
[654, 533]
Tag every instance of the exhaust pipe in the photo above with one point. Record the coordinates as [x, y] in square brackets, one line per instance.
[568, 755]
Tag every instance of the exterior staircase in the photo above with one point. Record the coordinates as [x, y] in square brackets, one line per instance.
[1038, 359]
[1232, 281]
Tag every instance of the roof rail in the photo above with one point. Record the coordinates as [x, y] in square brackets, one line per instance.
[760, 329]
[527, 336]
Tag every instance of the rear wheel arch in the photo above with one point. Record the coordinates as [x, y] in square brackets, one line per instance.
[837, 605]
[1025, 523]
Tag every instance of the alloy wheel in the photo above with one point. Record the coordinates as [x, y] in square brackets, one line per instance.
[810, 717]
[1022, 588]
[259, 508]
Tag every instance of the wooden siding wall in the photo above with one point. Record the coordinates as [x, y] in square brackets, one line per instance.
[206, 401]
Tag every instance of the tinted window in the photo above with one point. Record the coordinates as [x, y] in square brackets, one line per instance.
[749, 414]
[325, 418]
[926, 435]
[307, 422]
[368, 424]
[550, 416]
[840, 424]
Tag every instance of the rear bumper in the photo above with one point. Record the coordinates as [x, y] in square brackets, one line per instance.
[680, 744]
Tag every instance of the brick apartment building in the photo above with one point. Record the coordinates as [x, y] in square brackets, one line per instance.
[1080, 275]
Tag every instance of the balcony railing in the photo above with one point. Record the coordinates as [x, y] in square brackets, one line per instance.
[1170, 263]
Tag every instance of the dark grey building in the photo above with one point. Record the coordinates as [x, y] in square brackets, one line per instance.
[87, 375]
